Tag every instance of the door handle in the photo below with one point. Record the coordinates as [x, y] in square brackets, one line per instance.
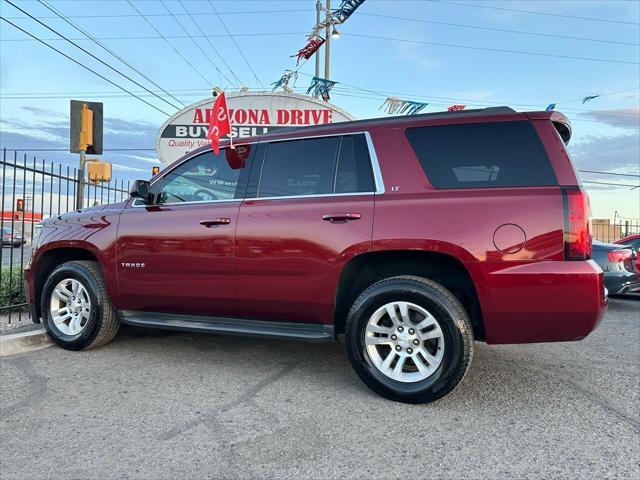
[340, 217]
[216, 222]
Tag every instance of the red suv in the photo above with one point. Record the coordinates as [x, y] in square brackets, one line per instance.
[412, 236]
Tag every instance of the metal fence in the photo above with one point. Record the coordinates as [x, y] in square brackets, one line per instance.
[34, 189]
[610, 231]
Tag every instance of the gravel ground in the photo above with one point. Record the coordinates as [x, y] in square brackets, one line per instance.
[164, 405]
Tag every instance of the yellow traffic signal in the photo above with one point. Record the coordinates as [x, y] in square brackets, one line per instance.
[155, 170]
[98, 171]
[86, 127]
[19, 205]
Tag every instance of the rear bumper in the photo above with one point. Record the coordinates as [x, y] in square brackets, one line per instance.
[629, 288]
[543, 302]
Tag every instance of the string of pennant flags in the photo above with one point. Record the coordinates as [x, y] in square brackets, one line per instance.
[322, 86]
[586, 99]
[319, 86]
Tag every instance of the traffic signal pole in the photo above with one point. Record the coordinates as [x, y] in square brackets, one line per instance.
[81, 182]
[86, 140]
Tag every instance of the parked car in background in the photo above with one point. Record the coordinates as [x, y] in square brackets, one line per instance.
[619, 265]
[412, 236]
[12, 237]
[632, 241]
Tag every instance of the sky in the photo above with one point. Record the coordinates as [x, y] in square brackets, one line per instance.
[524, 54]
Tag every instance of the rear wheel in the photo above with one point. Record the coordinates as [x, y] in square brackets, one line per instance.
[76, 309]
[409, 339]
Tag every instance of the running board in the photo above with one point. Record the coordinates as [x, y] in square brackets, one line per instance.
[307, 332]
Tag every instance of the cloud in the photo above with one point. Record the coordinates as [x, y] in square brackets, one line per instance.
[627, 118]
[51, 134]
[44, 112]
[613, 153]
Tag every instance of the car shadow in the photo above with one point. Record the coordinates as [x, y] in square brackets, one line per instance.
[498, 375]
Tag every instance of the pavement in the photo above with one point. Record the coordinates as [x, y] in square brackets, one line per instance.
[156, 405]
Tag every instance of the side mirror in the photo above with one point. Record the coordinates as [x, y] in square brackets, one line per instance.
[140, 189]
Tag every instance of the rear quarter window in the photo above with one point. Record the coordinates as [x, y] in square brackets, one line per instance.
[494, 154]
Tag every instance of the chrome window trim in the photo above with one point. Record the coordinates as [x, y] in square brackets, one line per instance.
[377, 173]
[373, 159]
[194, 202]
[314, 195]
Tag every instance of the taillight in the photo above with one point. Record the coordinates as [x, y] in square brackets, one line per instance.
[619, 255]
[577, 224]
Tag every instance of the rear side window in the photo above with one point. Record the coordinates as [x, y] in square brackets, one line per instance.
[316, 166]
[353, 173]
[496, 154]
[299, 167]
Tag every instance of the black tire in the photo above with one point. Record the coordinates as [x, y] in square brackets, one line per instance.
[102, 324]
[452, 318]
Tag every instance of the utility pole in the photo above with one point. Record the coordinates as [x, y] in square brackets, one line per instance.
[327, 44]
[318, 10]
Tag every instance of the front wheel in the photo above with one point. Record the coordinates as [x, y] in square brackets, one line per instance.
[409, 339]
[76, 309]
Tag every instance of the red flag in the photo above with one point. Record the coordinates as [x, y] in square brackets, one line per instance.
[219, 123]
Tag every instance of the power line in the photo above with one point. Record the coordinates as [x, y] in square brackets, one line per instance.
[593, 19]
[81, 30]
[614, 184]
[169, 43]
[347, 87]
[477, 27]
[208, 41]
[486, 49]
[610, 173]
[236, 44]
[90, 54]
[128, 15]
[221, 35]
[220, 72]
[85, 67]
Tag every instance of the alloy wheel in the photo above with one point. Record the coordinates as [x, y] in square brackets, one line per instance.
[70, 306]
[404, 341]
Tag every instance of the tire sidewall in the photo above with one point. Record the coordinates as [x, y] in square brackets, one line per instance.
[94, 323]
[452, 328]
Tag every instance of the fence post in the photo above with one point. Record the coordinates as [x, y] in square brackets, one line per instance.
[626, 228]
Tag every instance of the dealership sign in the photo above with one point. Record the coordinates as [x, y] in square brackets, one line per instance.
[250, 113]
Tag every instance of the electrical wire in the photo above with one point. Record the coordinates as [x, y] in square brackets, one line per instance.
[220, 72]
[610, 173]
[169, 43]
[84, 66]
[592, 19]
[633, 187]
[104, 47]
[89, 53]
[138, 37]
[129, 15]
[237, 46]
[487, 49]
[502, 30]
